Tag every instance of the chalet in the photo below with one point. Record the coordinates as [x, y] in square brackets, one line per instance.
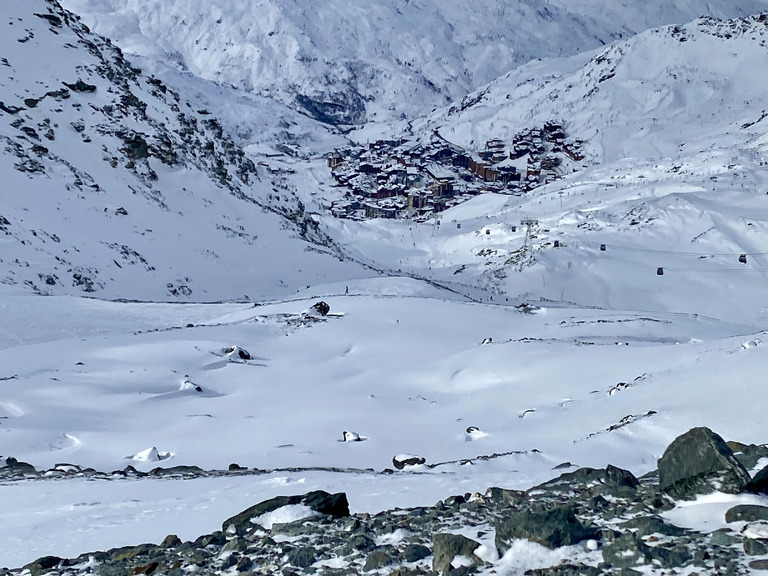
[367, 168]
[550, 163]
[477, 167]
[440, 174]
[381, 193]
[573, 153]
[396, 175]
[417, 201]
[335, 160]
[443, 154]
[460, 160]
[553, 131]
[507, 174]
[518, 151]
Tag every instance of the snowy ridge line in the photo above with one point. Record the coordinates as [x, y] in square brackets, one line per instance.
[626, 421]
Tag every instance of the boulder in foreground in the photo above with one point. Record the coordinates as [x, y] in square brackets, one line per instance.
[700, 462]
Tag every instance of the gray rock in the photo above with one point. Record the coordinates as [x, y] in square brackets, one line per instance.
[447, 546]
[318, 500]
[244, 564]
[759, 565]
[550, 528]
[302, 557]
[321, 308]
[647, 525]
[755, 547]
[722, 538]
[170, 541]
[698, 460]
[215, 538]
[357, 543]
[627, 551]
[416, 552]
[748, 454]
[380, 557]
[236, 545]
[759, 483]
[671, 556]
[500, 495]
[746, 513]
[129, 552]
[43, 565]
[402, 462]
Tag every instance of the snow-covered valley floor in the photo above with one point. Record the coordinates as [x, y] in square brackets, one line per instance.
[98, 384]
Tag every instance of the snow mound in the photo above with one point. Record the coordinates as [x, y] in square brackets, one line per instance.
[284, 515]
[150, 455]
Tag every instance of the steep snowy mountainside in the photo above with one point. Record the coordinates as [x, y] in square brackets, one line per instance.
[346, 63]
[673, 126]
[652, 96]
[114, 186]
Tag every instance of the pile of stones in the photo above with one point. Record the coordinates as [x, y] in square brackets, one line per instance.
[611, 522]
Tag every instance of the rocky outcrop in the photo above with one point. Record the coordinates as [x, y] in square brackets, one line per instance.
[319, 501]
[551, 528]
[700, 462]
[614, 518]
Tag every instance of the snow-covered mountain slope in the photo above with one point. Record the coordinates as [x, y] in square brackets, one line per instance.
[344, 62]
[116, 187]
[114, 184]
[673, 123]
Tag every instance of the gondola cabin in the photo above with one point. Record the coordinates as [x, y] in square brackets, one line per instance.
[660, 271]
[743, 258]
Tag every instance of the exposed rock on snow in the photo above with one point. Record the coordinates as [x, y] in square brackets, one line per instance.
[236, 353]
[189, 385]
[699, 462]
[446, 547]
[348, 436]
[318, 501]
[552, 528]
[319, 309]
[474, 433]
[603, 522]
[401, 461]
